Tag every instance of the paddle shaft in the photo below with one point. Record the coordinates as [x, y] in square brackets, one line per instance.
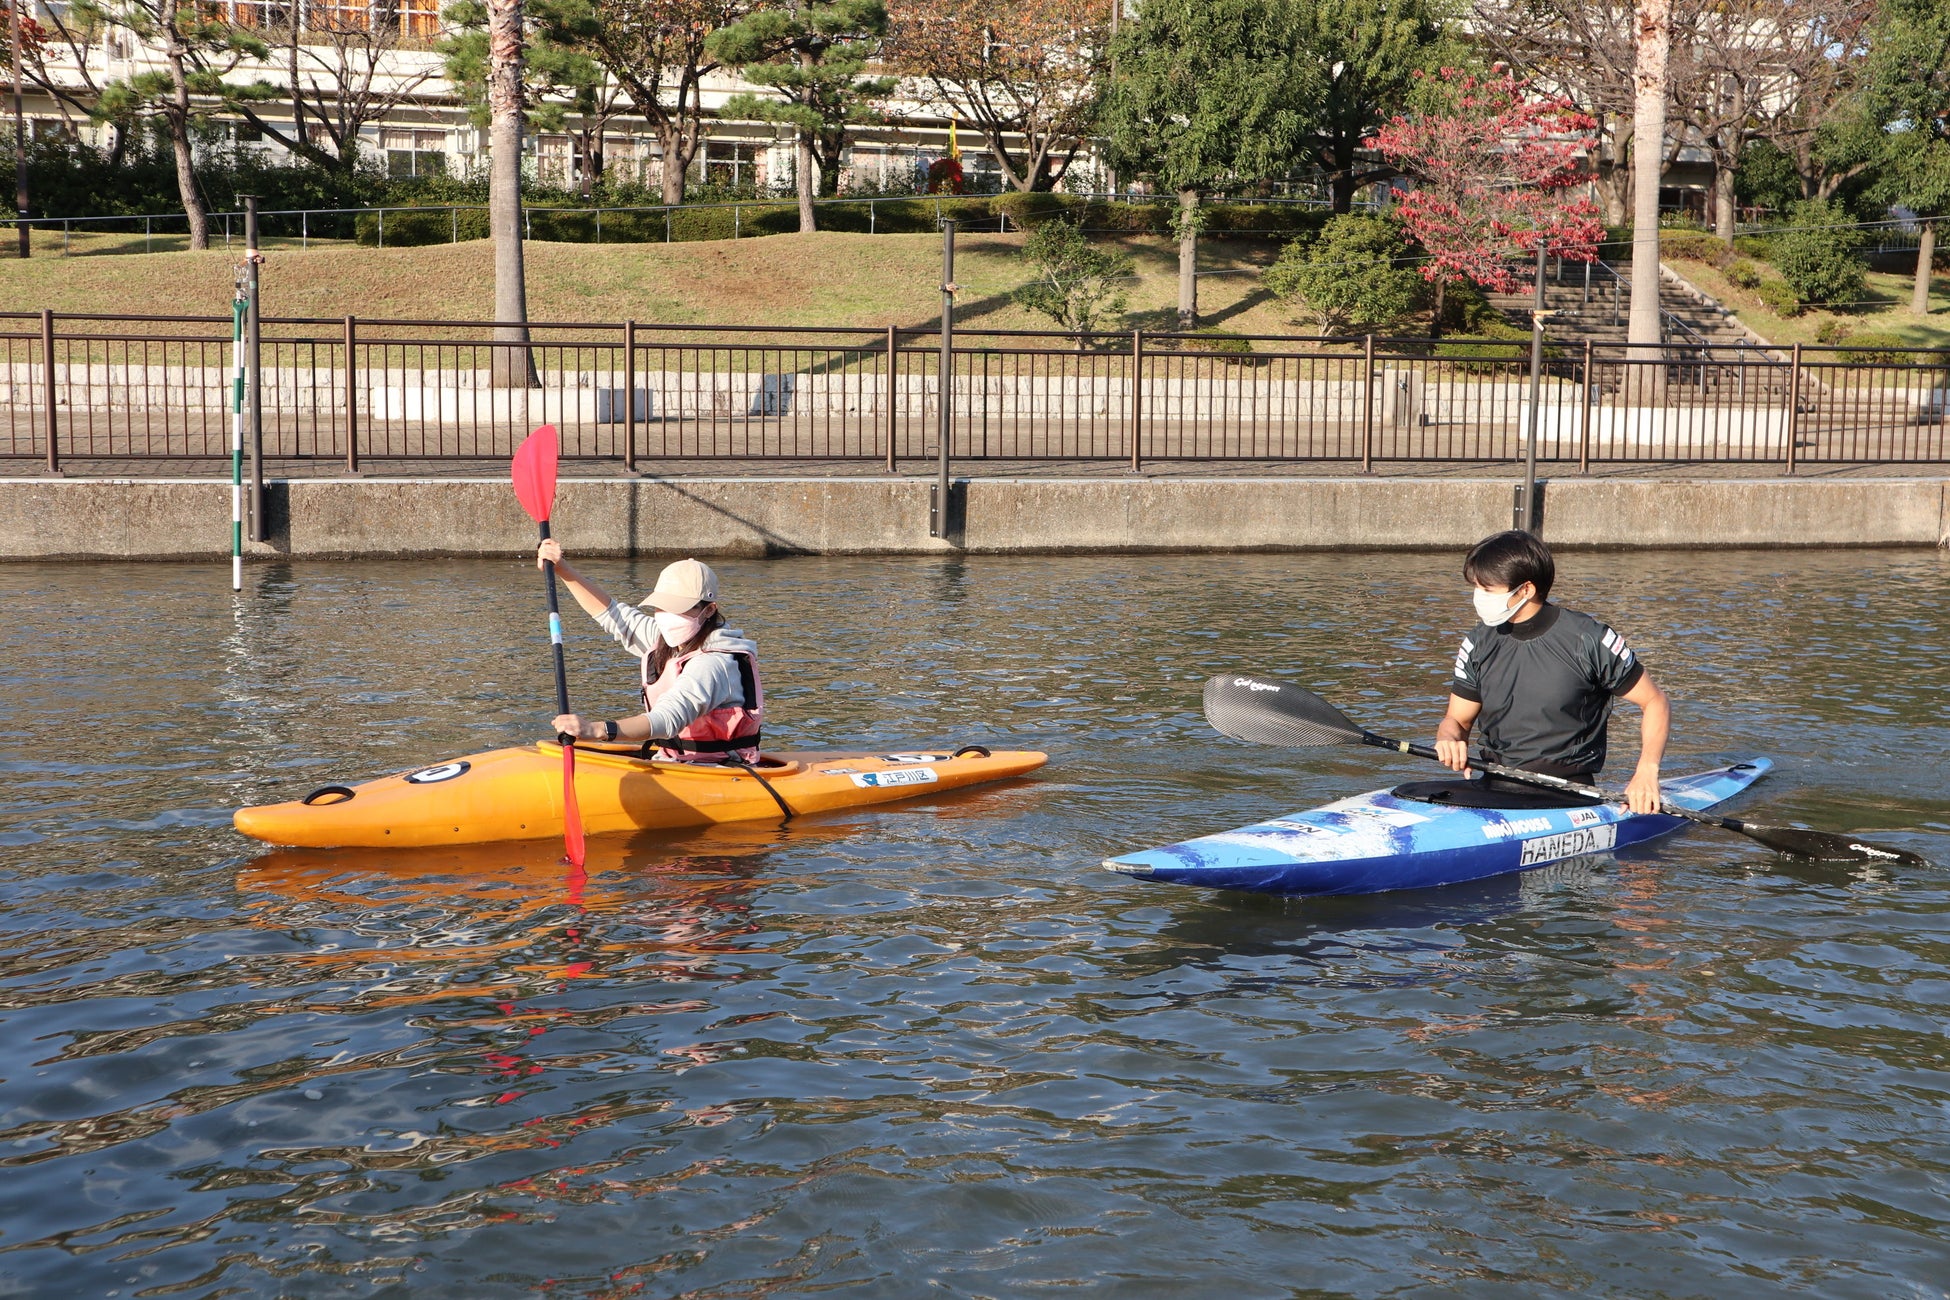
[1546, 781]
[555, 636]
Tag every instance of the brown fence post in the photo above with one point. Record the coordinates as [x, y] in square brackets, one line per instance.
[1794, 406]
[1137, 398]
[352, 394]
[1367, 404]
[887, 387]
[629, 397]
[53, 423]
[1584, 414]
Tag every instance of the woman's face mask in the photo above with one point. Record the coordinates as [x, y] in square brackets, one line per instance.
[1496, 608]
[676, 629]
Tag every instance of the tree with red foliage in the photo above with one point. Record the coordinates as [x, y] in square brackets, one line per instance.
[1492, 165]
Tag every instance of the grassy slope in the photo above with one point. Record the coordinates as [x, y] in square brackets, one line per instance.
[822, 279]
[1887, 312]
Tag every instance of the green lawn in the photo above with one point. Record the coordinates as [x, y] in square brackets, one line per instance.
[824, 279]
[1886, 311]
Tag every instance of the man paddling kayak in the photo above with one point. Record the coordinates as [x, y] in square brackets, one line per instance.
[1541, 680]
[701, 695]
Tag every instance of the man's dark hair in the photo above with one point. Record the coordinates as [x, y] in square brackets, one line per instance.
[1510, 559]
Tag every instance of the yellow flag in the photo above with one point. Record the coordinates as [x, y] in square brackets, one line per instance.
[954, 145]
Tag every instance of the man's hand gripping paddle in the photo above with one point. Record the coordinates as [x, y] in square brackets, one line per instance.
[1264, 711]
[534, 474]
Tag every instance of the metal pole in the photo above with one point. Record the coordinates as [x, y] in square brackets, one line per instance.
[20, 148]
[1584, 414]
[51, 422]
[1137, 396]
[1528, 517]
[1367, 406]
[629, 397]
[238, 308]
[887, 399]
[1794, 406]
[253, 365]
[352, 394]
[944, 384]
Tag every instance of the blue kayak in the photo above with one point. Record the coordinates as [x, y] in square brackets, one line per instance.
[1375, 842]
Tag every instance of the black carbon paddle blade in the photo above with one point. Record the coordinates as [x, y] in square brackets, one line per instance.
[1265, 711]
[1821, 844]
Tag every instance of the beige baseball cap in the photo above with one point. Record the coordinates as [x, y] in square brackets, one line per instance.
[681, 586]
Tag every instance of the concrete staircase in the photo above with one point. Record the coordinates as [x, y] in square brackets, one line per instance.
[1708, 349]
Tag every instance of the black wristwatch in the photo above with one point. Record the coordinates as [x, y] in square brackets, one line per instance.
[609, 729]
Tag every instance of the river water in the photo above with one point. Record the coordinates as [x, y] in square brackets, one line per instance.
[934, 1048]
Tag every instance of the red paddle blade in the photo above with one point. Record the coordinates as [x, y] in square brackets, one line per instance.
[573, 846]
[534, 472]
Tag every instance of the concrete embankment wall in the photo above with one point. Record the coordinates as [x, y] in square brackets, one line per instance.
[189, 519]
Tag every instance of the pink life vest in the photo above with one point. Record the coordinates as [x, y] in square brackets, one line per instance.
[731, 729]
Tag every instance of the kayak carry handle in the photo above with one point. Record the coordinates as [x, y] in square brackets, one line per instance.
[971, 749]
[344, 793]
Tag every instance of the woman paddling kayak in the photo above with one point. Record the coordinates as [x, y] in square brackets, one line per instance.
[701, 695]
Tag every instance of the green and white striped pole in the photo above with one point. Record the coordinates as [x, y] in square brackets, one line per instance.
[237, 439]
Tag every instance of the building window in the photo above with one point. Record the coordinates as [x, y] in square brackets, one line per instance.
[414, 153]
[731, 163]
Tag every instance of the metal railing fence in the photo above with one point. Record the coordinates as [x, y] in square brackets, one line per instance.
[351, 392]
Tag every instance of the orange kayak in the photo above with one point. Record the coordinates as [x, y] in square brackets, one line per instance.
[516, 794]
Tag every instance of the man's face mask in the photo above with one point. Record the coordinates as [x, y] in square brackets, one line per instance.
[1496, 608]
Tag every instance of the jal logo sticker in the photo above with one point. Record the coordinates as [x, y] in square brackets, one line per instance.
[1571, 844]
[905, 776]
[1586, 817]
[435, 775]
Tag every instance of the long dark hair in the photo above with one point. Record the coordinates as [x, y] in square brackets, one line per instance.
[663, 652]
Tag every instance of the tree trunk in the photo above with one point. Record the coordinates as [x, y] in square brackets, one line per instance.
[1653, 57]
[1188, 259]
[670, 143]
[802, 164]
[1435, 314]
[1725, 218]
[178, 117]
[1612, 171]
[1341, 193]
[511, 367]
[1919, 296]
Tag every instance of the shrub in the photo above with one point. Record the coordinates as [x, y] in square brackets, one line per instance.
[1816, 256]
[1881, 348]
[1353, 278]
[1778, 297]
[413, 228]
[1491, 347]
[1831, 331]
[1743, 273]
[1694, 245]
[1233, 349]
[1758, 247]
[1076, 284]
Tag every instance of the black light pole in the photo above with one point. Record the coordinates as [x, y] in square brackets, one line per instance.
[945, 403]
[253, 372]
[20, 146]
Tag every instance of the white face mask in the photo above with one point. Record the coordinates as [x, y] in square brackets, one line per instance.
[1496, 608]
[676, 629]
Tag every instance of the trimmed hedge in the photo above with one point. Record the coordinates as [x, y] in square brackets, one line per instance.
[555, 220]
